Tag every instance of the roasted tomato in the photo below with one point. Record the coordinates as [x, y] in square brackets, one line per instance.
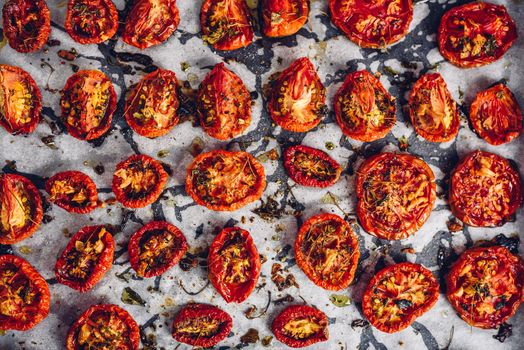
[397, 295]
[20, 100]
[201, 325]
[91, 21]
[297, 98]
[299, 326]
[365, 110]
[283, 17]
[223, 104]
[150, 22]
[20, 208]
[155, 248]
[476, 34]
[151, 107]
[485, 190]
[138, 181]
[309, 166]
[234, 264]
[27, 24]
[73, 191]
[374, 24]
[225, 181]
[86, 258]
[396, 193]
[88, 103]
[326, 249]
[24, 294]
[496, 116]
[104, 326]
[226, 24]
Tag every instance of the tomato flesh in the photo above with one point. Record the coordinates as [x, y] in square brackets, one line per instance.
[299, 326]
[308, 166]
[73, 191]
[283, 17]
[91, 21]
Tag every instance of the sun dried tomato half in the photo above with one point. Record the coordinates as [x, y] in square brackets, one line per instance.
[91, 21]
[374, 24]
[150, 22]
[27, 24]
[496, 115]
[223, 104]
[24, 294]
[73, 191]
[104, 326]
[299, 326]
[364, 109]
[138, 181]
[396, 193]
[309, 166]
[155, 248]
[225, 181]
[397, 295]
[88, 103]
[151, 107]
[20, 100]
[476, 34]
[226, 24]
[297, 97]
[86, 258]
[485, 190]
[234, 264]
[201, 325]
[283, 17]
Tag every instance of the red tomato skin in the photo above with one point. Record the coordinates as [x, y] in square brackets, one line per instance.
[79, 178]
[109, 14]
[293, 14]
[294, 312]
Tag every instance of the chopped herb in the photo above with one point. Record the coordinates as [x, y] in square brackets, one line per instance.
[360, 323]
[25, 250]
[184, 66]
[125, 275]
[505, 331]
[49, 141]
[266, 341]
[251, 337]
[340, 300]
[390, 71]
[130, 297]
[162, 153]
[330, 146]
[269, 210]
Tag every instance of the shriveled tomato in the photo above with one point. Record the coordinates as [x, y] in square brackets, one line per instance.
[476, 34]
[88, 103]
[104, 326]
[225, 181]
[91, 21]
[150, 22]
[283, 17]
[326, 249]
[309, 166]
[86, 258]
[234, 264]
[20, 100]
[24, 294]
[223, 104]
[27, 24]
[299, 326]
[155, 248]
[20, 208]
[396, 193]
[73, 191]
[151, 107]
[364, 109]
[397, 295]
[138, 181]
[297, 97]
[374, 24]
[485, 190]
[201, 325]
[496, 115]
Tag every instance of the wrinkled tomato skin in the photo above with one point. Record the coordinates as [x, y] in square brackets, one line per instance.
[357, 20]
[293, 159]
[9, 76]
[153, 91]
[35, 284]
[496, 115]
[27, 24]
[507, 278]
[297, 312]
[100, 16]
[78, 181]
[220, 268]
[398, 275]
[144, 29]
[479, 177]
[490, 32]
[128, 340]
[223, 104]
[282, 18]
[195, 312]
[139, 239]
